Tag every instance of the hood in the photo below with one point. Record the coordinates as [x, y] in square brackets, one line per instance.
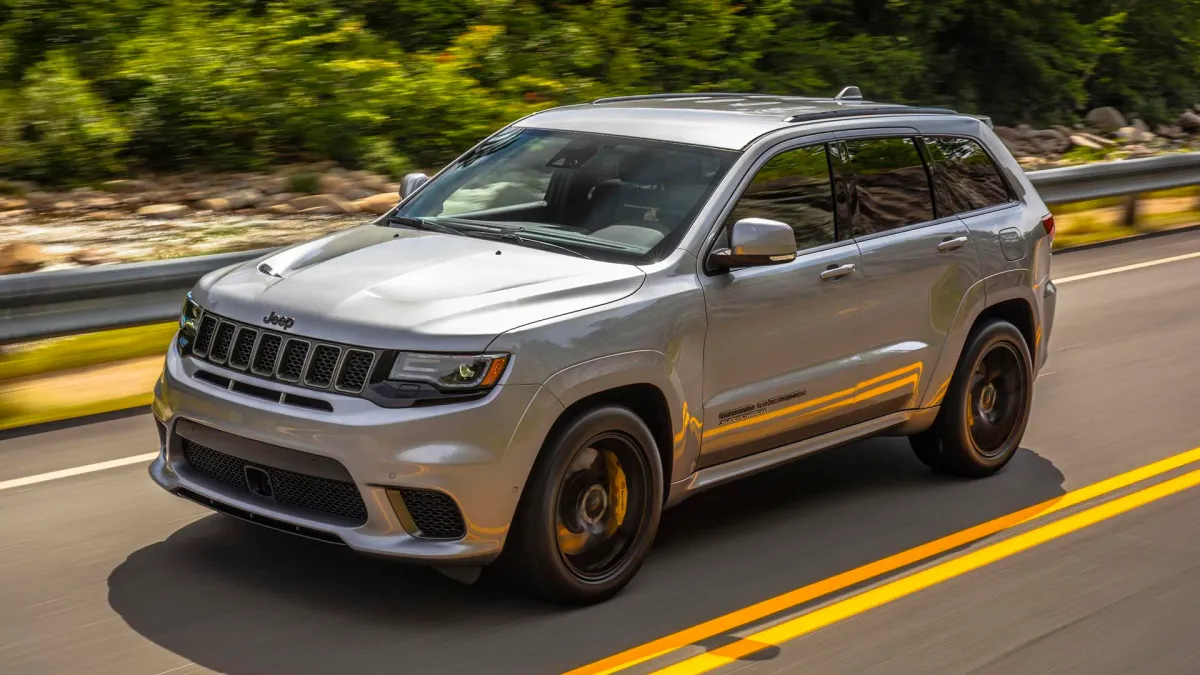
[393, 288]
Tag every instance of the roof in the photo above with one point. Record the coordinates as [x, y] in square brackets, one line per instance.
[723, 120]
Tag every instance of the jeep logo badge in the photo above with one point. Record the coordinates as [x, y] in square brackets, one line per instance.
[284, 322]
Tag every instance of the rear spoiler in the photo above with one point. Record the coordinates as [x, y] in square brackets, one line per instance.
[985, 119]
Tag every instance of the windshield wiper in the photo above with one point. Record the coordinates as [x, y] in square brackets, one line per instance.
[427, 224]
[516, 238]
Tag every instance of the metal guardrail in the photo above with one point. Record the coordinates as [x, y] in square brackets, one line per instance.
[50, 304]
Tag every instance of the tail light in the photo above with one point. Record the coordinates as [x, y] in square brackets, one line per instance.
[1048, 225]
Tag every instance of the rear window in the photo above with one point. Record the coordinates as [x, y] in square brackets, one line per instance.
[964, 176]
[891, 185]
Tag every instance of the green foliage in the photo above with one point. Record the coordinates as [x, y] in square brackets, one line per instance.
[89, 88]
[57, 127]
[304, 183]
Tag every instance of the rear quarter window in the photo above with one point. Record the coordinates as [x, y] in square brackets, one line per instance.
[964, 176]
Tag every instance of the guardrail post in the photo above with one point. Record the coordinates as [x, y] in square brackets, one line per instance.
[1129, 214]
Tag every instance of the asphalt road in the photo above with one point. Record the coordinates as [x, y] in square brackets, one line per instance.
[105, 573]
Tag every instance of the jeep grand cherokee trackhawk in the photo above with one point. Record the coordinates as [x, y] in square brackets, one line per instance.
[602, 309]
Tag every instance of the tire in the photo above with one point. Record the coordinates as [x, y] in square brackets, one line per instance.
[986, 407]
[586, 523]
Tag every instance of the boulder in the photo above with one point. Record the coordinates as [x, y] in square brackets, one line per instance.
[269, 200]
[65, 205]
[1106, 119]
[1139, 124]
[18, 257]
[1134, 135]
[333, 203]
[374, 182]
[164, 211]
[1168, 131]
[242, 199]
[100, 203]
[324, 210]
[380, 203]
[41, 201]
[1098, 140]
[1007, 134]
[332, 183]
[104, 215]
[13, 204]
[89, 257]
[356, 193]
[214, 204]
[1189, 121]
[128, 185]
[1080, 141]
[281, 209]
[1048, 141]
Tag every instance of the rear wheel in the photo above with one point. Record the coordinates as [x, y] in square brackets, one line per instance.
[591, 508]
[986, 407]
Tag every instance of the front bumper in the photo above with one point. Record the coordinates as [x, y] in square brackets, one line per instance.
[479, 453]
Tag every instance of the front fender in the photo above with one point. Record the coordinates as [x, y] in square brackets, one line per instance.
[575, 383]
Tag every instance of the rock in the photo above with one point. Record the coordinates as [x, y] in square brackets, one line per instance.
[1168, 131]
[214, 204]
[393, 188]
[1098, 140]
[281, 209]
[100, 203]
[165, 211]
[65, 205]
[18, 257]
[41, 201]
[128, 185]
[1139, 124]
[90, 257]
[356, 193]
[1106, 119]
[267, 201]
[1189, 121]
[324, 210]
[1007, 134]
[331, 183]
[1080, 141]
[242, 198]
[13, 204]
[1134, 135]
[374, 182]
[333, 202]
[1049, 141]
[380, 203]
[273, 185]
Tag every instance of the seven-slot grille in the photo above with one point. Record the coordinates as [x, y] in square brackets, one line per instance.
[274, 356]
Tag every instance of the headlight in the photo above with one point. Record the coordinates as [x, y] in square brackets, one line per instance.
[189, 319]
[450, 371]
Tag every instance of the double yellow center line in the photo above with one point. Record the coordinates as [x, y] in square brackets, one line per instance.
[906, 585]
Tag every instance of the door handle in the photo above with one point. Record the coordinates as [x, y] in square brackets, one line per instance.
[837, 272]
[951, 244]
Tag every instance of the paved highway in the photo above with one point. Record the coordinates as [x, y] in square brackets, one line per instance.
[102, 572]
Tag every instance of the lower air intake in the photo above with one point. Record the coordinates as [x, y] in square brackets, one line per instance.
[434, 513]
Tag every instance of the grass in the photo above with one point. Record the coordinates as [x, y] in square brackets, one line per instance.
[81, 351]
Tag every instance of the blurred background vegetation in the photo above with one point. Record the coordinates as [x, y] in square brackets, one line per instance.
[93, 89]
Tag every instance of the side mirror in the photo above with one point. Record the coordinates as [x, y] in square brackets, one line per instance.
[756, 241]
[411, 182]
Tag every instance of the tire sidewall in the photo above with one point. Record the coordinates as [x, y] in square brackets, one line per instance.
[541, 563]
[958, 433]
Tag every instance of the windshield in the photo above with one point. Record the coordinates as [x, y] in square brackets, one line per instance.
[603, 197]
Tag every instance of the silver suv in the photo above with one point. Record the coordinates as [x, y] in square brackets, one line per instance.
[603, 309]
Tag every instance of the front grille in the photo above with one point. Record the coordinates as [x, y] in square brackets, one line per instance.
[434, 513]
[221, 342]
[320, 371]
[283, 358]
[310, 492]
[243, 345]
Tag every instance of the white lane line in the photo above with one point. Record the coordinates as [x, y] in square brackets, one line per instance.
[1126, 268]
[77, 471]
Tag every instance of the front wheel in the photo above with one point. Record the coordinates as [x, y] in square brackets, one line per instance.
[591, 508]
[986, 407]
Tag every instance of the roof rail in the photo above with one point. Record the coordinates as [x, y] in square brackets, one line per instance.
[696, 94]
[868, 111]
[851, 93]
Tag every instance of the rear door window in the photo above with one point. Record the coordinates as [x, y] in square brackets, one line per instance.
[891, 185]
[964, 176]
